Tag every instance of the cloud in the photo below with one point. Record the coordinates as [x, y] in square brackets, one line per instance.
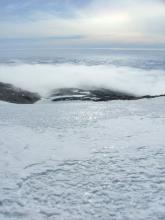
[100, 22]
[43, 78]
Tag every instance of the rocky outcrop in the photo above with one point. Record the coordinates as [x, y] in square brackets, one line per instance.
[92, 95]
[12, 94]
[9, 93]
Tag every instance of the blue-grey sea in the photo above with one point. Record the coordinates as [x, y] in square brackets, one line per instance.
[139, 58]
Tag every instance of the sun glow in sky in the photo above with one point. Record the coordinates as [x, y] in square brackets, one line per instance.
[77, 23]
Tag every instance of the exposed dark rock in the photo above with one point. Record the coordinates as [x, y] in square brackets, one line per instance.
[13, 94]
[93, 95]
[9, 93]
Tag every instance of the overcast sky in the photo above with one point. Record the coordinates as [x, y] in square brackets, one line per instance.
[79, 23]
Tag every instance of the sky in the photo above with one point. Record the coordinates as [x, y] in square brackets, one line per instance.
[82, 23]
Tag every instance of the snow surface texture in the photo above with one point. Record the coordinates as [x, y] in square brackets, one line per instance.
[83, 160]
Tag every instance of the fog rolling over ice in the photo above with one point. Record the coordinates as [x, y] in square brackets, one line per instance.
[43, 78]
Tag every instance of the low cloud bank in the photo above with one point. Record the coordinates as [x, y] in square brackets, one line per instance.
[43, 78]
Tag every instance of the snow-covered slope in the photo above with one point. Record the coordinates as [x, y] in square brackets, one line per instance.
[83, 160]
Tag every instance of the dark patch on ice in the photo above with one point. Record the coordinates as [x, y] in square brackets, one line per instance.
[9, 93]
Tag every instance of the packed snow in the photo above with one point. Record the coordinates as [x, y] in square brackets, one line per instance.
[83, 160]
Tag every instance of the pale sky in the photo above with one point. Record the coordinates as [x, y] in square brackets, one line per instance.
[83, 23]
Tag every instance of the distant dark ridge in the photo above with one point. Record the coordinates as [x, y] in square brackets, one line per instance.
[12, 94]
[68, 94]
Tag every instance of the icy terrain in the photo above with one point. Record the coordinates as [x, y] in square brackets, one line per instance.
[83, 160]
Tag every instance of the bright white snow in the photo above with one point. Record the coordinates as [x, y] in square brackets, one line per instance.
[83, 160]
